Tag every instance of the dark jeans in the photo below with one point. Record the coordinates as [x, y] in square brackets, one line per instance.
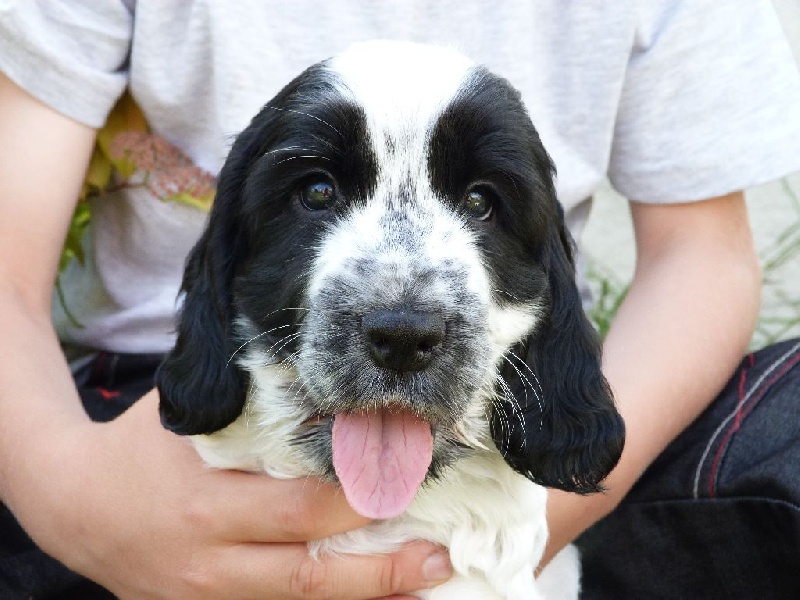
[716, 516]
[718, 513]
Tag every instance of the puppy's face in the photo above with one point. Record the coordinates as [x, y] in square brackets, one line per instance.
[387, 233]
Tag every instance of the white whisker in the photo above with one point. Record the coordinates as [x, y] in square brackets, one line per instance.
[255, 337]
[537, 389]
[252, 339]
[301, 156]
[305, 114]
[515, 407]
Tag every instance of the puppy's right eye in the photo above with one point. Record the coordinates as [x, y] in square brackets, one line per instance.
[477, 203]
[318, 195]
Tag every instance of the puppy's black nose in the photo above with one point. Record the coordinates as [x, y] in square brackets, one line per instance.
[403, 340]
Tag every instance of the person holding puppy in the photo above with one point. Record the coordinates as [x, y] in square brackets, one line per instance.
[680, 116]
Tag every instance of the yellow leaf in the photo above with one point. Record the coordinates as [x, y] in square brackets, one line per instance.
[98, 175]
[202, 202]
[125, 116]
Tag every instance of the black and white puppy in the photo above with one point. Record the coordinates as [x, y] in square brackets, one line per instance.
[384, 297]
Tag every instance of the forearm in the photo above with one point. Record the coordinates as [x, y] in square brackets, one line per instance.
[41, 170]
[37, 395]
[682, 329]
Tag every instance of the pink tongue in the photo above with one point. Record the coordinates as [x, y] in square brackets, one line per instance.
[381, 459]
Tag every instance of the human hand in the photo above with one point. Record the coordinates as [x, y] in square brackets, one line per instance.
[141, 514]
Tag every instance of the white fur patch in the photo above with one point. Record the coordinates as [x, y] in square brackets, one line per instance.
[402, 86]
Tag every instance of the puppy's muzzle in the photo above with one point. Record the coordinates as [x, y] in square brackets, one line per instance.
[403, 340]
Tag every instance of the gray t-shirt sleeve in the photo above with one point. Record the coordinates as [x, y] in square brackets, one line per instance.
[709, 104]
[70, 55]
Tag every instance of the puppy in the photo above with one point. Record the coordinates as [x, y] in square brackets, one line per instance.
[384, 297]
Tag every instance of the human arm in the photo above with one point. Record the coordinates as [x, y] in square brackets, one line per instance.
[127, 503]
[681, 330]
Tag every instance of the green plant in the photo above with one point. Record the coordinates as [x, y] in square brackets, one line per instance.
[608, 292]
[783, 252]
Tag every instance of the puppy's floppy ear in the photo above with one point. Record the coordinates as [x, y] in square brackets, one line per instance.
[563, 430]
[201, 389]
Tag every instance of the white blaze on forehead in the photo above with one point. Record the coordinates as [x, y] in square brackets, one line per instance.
[403, 88]
[401, 83]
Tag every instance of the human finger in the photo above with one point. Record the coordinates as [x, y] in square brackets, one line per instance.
[288, 572]
[252, 507]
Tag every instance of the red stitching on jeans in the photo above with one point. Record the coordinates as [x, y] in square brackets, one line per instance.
[787, 367]
[736, 422]
[738, 418]
[108, 394]
[742, 413]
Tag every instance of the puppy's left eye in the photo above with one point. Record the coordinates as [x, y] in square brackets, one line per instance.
[477, 203]
[318, 195]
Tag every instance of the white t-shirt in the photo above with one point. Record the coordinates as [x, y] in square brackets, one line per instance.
[671, 100]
